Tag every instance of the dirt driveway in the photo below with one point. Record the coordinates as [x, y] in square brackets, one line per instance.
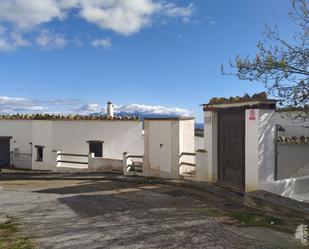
[102, 213]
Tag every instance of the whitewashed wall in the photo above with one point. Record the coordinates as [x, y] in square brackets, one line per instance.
[211, 144]
[165, 140]
[159, 145]
[259, 148]
[186, 136]
[292, 126]
[71, 137]
[199, 143]
[21, 133]
[118, 136]
[42, 135]
[293, 160]
[186, 144]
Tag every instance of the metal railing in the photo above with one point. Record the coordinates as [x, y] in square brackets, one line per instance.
[21, 160]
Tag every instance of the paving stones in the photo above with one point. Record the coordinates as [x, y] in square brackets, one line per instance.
[106, 214]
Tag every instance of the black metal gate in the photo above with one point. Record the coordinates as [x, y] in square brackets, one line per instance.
[21, 160]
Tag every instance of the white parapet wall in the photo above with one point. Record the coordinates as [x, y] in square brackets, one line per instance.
[201, 161]
[98, 164]
[292, 165]
[199, 143]
[72, 137]
[293, 160]
[260, 148]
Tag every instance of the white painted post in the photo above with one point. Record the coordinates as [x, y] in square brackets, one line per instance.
[201, 162]
[90, 157]
[252, 150]
[58, 158]
[125, 163]
[210, 136]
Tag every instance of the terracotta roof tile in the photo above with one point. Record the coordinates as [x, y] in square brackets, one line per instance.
[64, 117]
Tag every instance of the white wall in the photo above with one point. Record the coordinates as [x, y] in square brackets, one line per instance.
[210, 139]
[252, 152]
[199, 143]
[293, 160]
[21, 131]
[186, 143]
[186, 136]
[42, 135]
[292, 126]
[259, 148]
[71, 137]
[165, 140]
[160, 133]
[266, 145]
[118, 136]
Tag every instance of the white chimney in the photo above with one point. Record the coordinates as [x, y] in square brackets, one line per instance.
[110, 110]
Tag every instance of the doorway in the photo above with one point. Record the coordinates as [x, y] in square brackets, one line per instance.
[4, 151]
[231, 149]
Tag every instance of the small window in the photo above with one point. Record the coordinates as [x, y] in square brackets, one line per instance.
[96, 147]
[39, 153]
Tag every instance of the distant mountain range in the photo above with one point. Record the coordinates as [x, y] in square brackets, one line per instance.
[142, 116]
[199, 126]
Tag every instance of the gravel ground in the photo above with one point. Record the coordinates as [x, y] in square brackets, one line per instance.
[110, 214]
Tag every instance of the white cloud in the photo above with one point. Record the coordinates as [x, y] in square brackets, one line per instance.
[172, 10]
[121, 16]
[48, 39]
[89, 108]
[104, 43]
[124, 17]
[11, 105]
[152, 109]
[26, 14]
[135, 109]
[9, 41]
[12, 100]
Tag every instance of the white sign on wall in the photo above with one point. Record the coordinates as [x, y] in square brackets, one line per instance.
[207, 120]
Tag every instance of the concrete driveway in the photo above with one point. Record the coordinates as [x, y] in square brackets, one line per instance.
[77, 213]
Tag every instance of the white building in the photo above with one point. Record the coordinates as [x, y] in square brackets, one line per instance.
[57, 142]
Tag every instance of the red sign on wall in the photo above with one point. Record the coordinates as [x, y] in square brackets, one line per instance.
[252, 115]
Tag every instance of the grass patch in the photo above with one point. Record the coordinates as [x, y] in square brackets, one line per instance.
[9, 239]
[262, 220]
[250, 218]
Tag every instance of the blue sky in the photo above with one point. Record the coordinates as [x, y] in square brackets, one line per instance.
[75, 55]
